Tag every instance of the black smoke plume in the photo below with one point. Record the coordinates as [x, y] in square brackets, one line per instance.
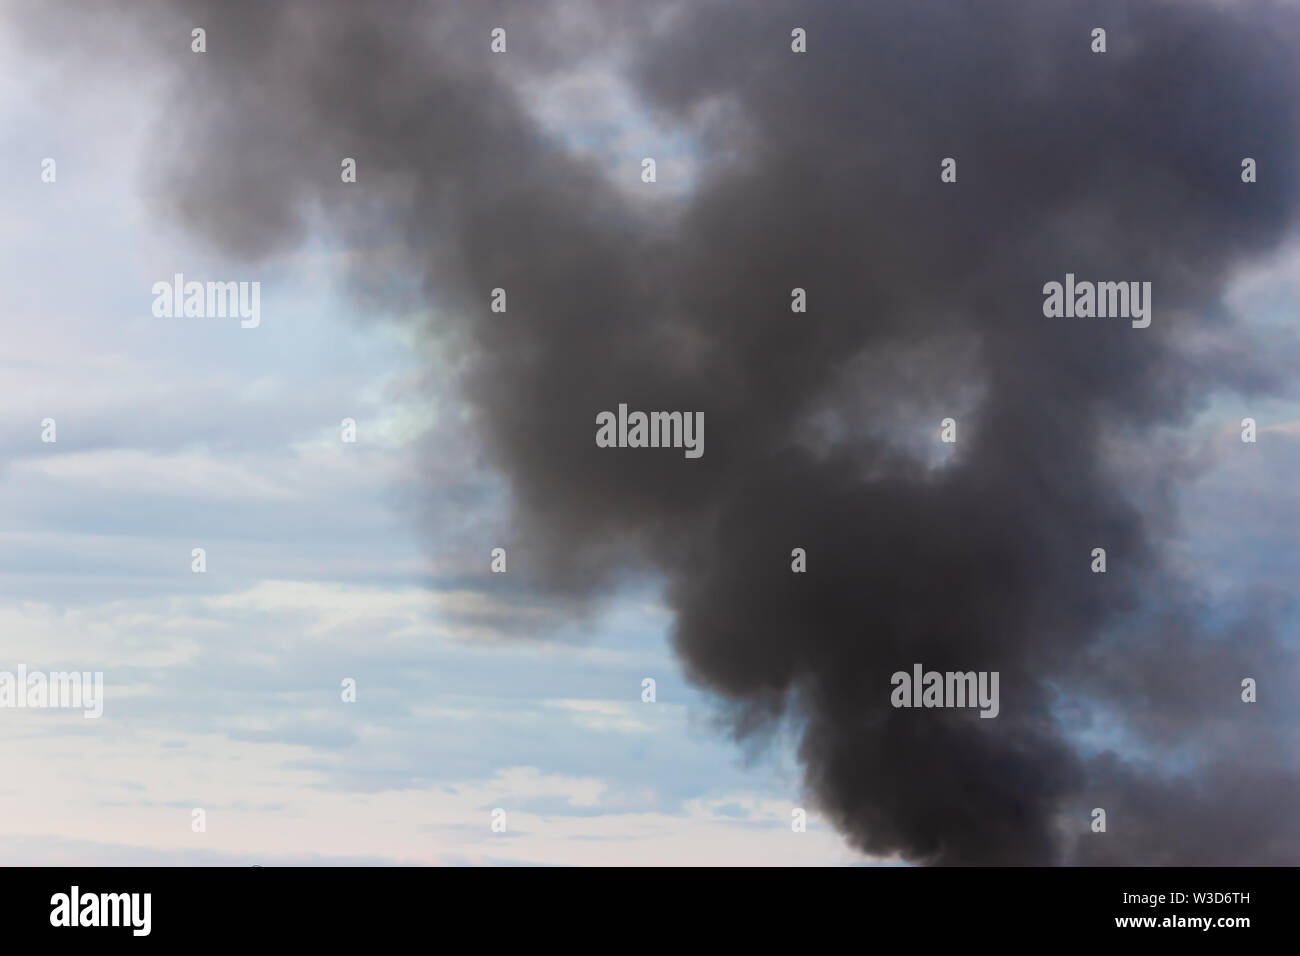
[821, 171]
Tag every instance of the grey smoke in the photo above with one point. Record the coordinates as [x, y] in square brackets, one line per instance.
[822, 171]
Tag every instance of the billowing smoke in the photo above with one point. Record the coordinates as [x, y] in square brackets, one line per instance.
[821, 171]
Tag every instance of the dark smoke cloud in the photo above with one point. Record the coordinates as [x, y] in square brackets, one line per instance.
[821, 171]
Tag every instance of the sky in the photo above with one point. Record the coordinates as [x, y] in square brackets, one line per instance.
[328, 560]
[223, 690]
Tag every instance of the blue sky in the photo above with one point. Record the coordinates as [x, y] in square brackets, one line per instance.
[325, 561]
